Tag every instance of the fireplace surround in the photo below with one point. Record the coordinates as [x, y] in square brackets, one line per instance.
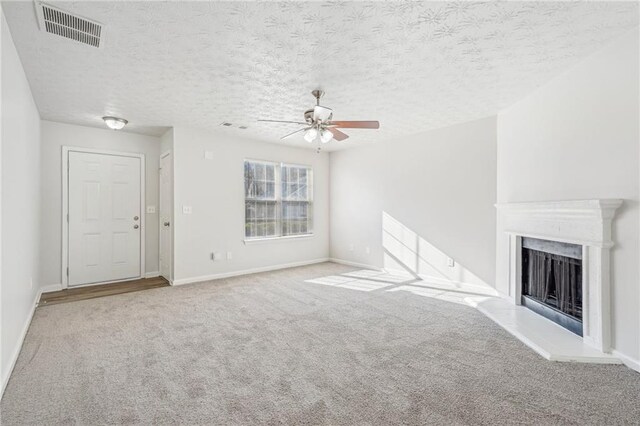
[584, 223]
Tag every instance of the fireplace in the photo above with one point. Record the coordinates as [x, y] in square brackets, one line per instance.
[552, 281]
[582, 259]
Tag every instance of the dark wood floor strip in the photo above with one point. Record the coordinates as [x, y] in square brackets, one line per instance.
[100, 290]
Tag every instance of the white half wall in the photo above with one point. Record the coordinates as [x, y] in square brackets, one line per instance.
[166, 145]
[166, 141]
[215, 191]
[412, 203]
[20, 167]
[577, 137]
[54, 137]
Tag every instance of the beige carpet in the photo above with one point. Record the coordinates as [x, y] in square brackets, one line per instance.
[273, 349]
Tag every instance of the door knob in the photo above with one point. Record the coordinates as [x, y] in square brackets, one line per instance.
[136, 218]
[135, 227]
[166, 224]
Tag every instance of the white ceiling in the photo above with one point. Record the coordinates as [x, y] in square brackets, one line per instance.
[413, 66]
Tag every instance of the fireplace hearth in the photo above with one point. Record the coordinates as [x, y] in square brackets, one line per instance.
[552, 281]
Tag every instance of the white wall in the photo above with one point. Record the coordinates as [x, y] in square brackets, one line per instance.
[418, 200]
[166, 145]
[54, 137]
[166, 141]
[215, 191]
[20, 204]
[577, 137]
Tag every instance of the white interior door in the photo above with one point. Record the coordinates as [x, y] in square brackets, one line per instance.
[104, 218]
[166, 214]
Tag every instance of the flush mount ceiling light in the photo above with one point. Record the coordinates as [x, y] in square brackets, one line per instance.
[115, 123]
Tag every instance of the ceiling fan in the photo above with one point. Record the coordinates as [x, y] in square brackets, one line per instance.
[318, 123]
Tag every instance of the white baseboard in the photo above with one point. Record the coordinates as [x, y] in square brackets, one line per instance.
[633, 364]
[211, 277]
[428, 278]
[23, 335]
[354, 264]
[152, 274]
[468, 285]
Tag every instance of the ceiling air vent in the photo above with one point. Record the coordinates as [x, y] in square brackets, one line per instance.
[56, 21]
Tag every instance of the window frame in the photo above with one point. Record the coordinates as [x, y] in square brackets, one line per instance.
[278, 196]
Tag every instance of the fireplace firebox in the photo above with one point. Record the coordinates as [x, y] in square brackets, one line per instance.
[552, 281]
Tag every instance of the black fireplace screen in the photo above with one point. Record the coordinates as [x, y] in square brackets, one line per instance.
[554, 280]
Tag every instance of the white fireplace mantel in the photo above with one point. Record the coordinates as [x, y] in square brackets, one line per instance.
[583, 222]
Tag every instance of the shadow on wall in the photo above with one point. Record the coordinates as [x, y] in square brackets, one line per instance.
[407, 252]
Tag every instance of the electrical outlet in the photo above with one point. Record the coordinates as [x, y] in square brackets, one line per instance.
[151, 209]
[450, 262]
[186, 210]
[229, 255]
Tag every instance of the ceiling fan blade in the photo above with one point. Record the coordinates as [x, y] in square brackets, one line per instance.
[356, 124]
[337, 134]
[293, 133]
[284, 121]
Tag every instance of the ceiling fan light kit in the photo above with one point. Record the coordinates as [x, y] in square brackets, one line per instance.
[326, 136]
[310, 135]
[319, 124]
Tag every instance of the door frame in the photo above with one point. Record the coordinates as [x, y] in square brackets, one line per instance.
[160, 224]
[65, 210]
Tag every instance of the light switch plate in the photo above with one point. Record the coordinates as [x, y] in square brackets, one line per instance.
[208, 155]
[450, 262]
[151, 209]
[186, 210]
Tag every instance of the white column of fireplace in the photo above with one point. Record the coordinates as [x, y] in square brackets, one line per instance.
[584, 222]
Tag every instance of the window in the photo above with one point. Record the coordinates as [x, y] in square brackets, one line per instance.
[278, 199]
[296, 200]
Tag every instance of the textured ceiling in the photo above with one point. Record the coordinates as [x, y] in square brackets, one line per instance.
[413, 66]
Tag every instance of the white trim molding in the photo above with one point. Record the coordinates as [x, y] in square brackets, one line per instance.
[18, 348]
[211, 277]
[582, 222]
[162, 216]
[278, 239]
[633, 364]
[23, 334]
[355, 264]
